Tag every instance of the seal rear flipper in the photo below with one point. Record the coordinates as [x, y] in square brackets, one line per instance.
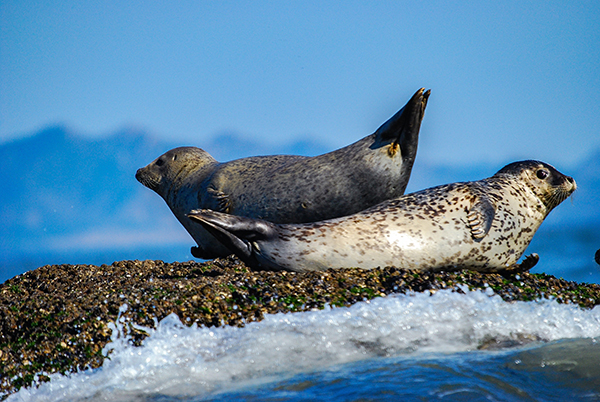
[403, 127]
[207, 253]
[234, 232]
[528, 262]
[480, 218]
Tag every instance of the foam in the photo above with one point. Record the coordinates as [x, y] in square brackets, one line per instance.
[177, 360]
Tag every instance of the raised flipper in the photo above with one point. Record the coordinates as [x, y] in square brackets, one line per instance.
[235, 232]
[403, 127]
[480, 218]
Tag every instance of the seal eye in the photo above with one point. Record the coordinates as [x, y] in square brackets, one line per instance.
[160, 162]
[542, 174]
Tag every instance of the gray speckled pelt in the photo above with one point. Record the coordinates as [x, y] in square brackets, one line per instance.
[287, 188]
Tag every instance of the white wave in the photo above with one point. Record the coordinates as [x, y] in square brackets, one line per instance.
[177, 360]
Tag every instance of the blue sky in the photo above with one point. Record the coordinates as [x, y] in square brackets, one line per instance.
[510, 80]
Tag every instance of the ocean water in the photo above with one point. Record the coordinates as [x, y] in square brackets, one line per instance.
[442, 346]
[567, 253]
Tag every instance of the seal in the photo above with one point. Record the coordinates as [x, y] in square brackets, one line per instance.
[289, 188]
[597, 256]
[483, 225]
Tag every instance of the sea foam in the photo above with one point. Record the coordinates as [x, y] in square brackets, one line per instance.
[196, 362]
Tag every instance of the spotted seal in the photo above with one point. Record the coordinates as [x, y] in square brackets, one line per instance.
[484, 225]
[288, 188]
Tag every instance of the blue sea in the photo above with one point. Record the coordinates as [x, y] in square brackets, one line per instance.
[415, 347]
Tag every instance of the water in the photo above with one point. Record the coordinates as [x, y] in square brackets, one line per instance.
[445, 346]
[515, 376]
[568, 252]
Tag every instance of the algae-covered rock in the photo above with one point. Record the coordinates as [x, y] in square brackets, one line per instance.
[56, 318]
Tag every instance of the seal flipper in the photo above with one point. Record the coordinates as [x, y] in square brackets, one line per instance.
[203, 253]
[528, 262]
[403, 127]
[223, 201]
[480, 218]
[235, 232]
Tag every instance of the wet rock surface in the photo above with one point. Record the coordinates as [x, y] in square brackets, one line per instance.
[55, 318]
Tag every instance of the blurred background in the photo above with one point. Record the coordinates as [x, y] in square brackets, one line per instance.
[91, 91]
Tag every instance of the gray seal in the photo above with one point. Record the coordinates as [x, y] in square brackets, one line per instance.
[483, 225]
[288, 188]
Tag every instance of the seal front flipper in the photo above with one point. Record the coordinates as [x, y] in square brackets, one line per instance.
[480, 217]
[237, 233]
[221, 200]
[403, 127]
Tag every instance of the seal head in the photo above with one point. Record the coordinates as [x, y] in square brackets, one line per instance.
[548, 184]
[484, 225]
[172, 168]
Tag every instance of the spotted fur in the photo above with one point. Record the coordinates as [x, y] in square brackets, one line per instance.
[484, 225]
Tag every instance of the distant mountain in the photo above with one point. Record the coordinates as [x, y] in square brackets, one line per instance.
[57, 180]
[68, 198]
[60, 186]
[71, 198]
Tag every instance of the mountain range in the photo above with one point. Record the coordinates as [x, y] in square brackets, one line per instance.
[71, 198]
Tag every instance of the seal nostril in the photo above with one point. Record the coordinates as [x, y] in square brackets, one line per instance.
[570, 179]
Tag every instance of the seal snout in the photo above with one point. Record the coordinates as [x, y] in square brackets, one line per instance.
[572, 182]
[569, 185]
[138, 175]
[143, 176]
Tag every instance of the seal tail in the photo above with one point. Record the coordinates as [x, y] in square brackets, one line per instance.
[237, 233]
[403, 127]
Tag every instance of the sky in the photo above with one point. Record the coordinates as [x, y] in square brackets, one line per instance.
[510, 80]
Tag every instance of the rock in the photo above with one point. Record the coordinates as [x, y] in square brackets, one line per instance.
[65, 309]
